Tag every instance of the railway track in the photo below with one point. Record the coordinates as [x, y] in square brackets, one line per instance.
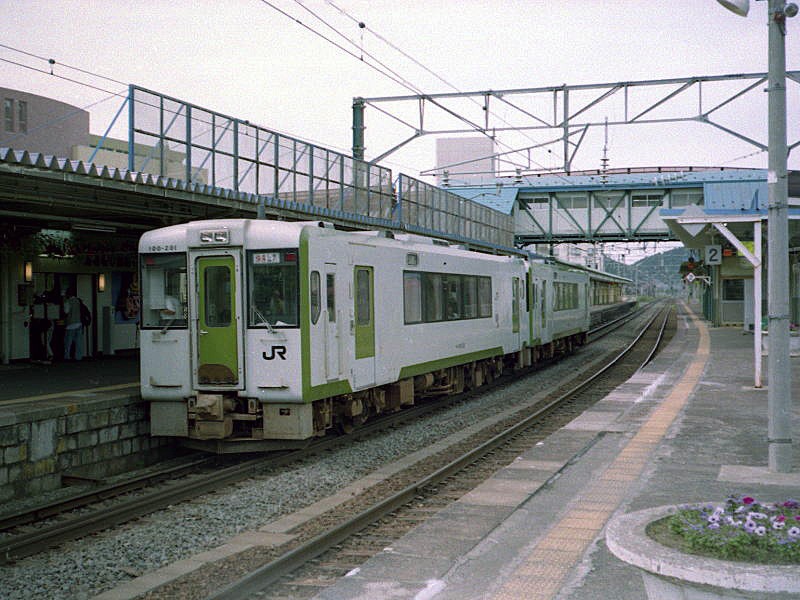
[329, 548]
[24, 537]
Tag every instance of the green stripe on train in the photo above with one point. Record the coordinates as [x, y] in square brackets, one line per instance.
[450, 361]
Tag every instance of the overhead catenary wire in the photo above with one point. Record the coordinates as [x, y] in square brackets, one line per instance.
[52, 61]
[405, 54]
[390, 73]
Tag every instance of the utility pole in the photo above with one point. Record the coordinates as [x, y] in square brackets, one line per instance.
[780, 375]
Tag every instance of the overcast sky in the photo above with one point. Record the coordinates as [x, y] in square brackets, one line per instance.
[246, 59]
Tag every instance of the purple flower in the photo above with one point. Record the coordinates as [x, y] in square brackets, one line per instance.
[794, 532]
[760, 531]
[750, 526]
[713, 525]
[791, 504]
[748, 500]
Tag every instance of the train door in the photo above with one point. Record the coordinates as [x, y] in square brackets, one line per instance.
[364, 326]
[534, 299]
[331, 324]
[217, 340]
[544, 306]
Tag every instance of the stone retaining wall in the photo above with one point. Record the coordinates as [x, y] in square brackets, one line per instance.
[91, 438]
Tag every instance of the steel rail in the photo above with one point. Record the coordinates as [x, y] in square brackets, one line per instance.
[615, 324]
[98, 494]
[269, 573]
[660, 337]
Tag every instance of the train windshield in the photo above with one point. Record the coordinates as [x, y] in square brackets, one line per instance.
[164, 290]
[273, 288]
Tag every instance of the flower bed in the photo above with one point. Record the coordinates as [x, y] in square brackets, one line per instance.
[671, 572]
[742, 529]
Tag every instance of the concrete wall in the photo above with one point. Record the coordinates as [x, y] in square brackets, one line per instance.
[93, 438]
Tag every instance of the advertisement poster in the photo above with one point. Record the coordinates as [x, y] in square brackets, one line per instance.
[125, 294]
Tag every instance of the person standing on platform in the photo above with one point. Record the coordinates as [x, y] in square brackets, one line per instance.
[73, 333]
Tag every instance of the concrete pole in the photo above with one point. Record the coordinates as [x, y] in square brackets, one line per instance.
[780, 399]
[358, 128]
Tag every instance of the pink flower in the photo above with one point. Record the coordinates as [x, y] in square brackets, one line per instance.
[748, 500]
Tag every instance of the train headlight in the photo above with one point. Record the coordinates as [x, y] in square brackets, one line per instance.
[215, 237]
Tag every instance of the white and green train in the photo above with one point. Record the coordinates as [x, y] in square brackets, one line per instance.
[258, 334]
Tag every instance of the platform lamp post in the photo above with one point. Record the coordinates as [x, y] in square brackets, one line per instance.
[779, 382]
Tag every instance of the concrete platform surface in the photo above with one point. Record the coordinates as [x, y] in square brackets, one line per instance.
[688, 428]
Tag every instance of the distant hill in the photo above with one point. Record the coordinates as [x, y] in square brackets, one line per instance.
[656, 275]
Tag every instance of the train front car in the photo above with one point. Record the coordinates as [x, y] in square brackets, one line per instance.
[220, 332]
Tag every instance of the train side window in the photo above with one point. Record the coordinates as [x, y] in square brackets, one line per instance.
[452, 297]
[469, 286]
[330, 286]
[316, 298]
[484, 297]
[412, 297]
[433, 297]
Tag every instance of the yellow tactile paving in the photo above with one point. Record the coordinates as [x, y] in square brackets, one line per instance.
[582, 531]
[542, 573]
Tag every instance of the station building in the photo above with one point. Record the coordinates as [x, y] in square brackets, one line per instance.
[40, 259]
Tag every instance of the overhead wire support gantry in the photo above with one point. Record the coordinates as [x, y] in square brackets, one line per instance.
[572, 120]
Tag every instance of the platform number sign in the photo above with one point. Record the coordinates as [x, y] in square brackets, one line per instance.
[713, 255]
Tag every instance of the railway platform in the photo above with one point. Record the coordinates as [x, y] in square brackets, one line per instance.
[71, 420]
[688, 428]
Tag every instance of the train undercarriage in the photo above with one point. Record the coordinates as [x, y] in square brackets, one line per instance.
[224, 424]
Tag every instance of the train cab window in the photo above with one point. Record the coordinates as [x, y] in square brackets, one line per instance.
[330, 287]
[316, 297]
[164, 290]
[272, 284]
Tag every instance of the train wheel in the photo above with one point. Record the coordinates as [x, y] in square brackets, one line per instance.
[349, 424]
